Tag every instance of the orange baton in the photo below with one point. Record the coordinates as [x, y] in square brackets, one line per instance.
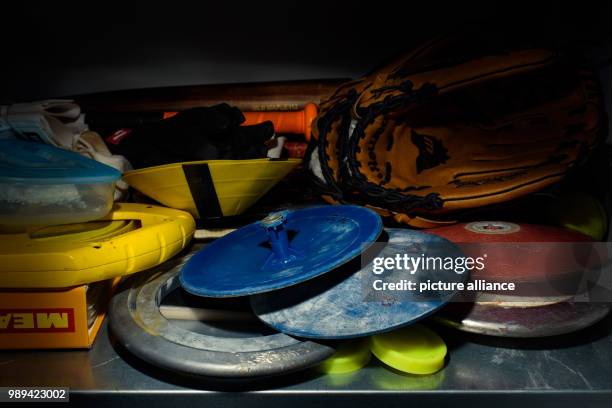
[298, 122]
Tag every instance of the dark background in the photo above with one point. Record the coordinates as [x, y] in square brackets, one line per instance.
[50, 49]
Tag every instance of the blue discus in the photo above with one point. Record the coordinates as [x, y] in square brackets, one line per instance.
[344, 304]
[283, 249]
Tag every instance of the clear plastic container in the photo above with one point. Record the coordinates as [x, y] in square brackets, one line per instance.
[42, 185]
[53, 204]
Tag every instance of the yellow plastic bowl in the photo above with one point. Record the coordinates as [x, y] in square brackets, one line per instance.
[238, 184]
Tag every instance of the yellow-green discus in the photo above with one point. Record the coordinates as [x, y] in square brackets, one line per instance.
[581, 213]
[414, 349]
[351, 356]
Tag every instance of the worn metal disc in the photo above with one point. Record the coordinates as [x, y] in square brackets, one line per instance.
[521, 253]
[344, 304]
[540, 321]
[136, 321]
[281, 250]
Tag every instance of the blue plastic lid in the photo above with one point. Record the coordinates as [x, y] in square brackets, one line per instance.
[38, 163]
[283, 249]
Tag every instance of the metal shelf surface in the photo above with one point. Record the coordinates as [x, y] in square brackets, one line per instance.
[559, 371]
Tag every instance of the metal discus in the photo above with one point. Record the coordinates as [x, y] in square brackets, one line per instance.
[538, 321]
[136, 321]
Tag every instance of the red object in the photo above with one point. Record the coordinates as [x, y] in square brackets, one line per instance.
[50, 320]
[502, 231]
[117, 136]
[296, 150]
[523, 253]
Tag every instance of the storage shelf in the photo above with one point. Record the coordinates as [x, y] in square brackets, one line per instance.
[560, 371]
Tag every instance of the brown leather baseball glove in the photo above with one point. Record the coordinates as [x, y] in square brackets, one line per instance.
[441, 130]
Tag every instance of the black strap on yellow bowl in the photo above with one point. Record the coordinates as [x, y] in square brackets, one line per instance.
[203, 190]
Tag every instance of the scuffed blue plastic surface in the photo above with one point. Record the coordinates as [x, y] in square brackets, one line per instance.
[321, 238]
[337, 309]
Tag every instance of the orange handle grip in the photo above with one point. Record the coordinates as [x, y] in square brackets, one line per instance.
[299, 121]
[286, 122]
